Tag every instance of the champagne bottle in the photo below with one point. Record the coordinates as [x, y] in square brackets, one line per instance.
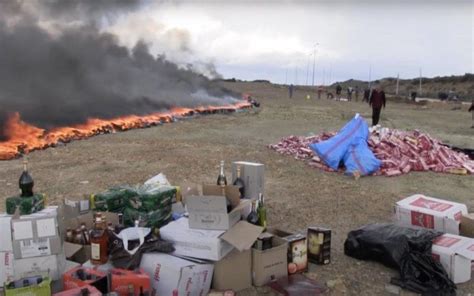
[26, 182]
[239, 183]
[252, 218]
[262, 211]
[221, 179]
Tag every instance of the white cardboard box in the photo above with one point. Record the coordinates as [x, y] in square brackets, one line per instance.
[53, 266]
[6, 267]
[209, 244]
[253, 175]
[6, 233]
[456, 254]
[37, 234]
[429, 212]
[170, 273]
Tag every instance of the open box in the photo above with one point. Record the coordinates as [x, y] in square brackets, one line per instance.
[297, 249]
[209, 211]
[270, 264]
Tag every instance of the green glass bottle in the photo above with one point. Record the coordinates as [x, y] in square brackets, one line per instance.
[262, 211]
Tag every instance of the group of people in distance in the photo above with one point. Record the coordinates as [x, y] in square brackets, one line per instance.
[375, 97]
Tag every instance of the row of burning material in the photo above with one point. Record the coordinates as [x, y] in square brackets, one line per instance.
[212, 243]
[400, 152]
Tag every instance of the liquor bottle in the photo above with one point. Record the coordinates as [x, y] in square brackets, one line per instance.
[131, 290]
[79, 237]
[221, 179]
[141, 292]
[252, 218]
[69, 235]
[26, 182]
[98, 238]
[119, 227]
[262, 211]
[85, 233]
[239, 183]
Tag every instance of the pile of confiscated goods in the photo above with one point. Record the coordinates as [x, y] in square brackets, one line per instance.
[430, 244]
[156, 239]
[399, 151]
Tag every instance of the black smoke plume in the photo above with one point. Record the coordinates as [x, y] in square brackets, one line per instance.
[78, 72]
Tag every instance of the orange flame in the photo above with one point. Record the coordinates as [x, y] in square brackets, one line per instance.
[24, 138]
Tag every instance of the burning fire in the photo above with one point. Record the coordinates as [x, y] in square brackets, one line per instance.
[24, 138]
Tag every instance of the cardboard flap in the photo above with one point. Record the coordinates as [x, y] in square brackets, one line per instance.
[230, 191]
[243, 203]
[207, 203]
[71, 249]
[242, 235]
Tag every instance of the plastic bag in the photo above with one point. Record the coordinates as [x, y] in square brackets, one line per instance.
[405, 249]
[333, 150]
[361, 159]
[130, 258]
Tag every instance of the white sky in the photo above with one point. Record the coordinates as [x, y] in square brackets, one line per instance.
[268, 39]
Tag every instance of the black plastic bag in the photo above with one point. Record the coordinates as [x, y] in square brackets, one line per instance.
[405, 249]
[121, 258]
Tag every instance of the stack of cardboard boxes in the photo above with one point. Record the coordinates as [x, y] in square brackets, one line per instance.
[455, 248]
[31, 245]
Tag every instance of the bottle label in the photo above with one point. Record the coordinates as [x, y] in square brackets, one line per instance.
[95, 251]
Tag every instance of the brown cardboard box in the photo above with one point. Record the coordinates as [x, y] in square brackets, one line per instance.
[271, 263]
[233, 272]
[209, 211]
[467, 225]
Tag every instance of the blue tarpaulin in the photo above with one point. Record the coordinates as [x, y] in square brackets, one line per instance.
[350, 146]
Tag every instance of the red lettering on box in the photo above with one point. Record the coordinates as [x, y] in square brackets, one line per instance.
[458, 216]
[156, 276]
[446, 241]
[430, 204]
[423, 220]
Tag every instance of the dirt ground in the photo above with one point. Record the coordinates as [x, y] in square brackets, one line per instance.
[189, 151]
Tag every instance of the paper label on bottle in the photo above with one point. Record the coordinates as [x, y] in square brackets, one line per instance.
[35, 248]
[95, 251]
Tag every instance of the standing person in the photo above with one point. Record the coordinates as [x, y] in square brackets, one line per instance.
[356, 90]
[349, 93]
[290, 91]
[471, 109]
[320, 91]
[377, 101]
[366, 95]
[338, 91]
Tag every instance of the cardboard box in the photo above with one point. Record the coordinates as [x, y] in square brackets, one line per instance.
[169, 273]
[209, 244]
[122, 279]
[429, 212]
[456, 254]
[95, 278]
[36, 234]
[209, 211]
[43, 289]
[467, 225]
[253, 175]
[7, 272]
[6, 231]
[51, 266]
[233, 272]
[74, 208]
[319, 245]
[271, 263]
[82, 253]
[297, 249]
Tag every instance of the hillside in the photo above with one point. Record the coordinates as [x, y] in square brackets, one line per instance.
[463, 86]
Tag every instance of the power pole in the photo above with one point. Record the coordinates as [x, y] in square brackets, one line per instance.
[307, 69]
[324, 76]
[314, 62]
[398, 83]
[419, 90]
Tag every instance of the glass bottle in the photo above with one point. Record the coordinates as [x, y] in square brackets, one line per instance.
[252, 218]
[221, 179]
[141, 292]
[120, 225]
[69, 235]
[131, 290]
[79, 237]
[85, 233]
[239, 183]
[99, 240]
[262, 211]
[26, 182]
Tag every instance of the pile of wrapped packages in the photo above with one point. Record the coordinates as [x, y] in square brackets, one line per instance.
[375, 151]
[157, 239]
